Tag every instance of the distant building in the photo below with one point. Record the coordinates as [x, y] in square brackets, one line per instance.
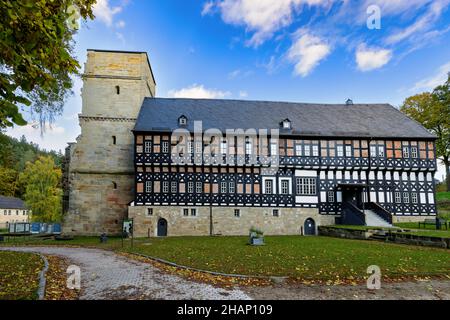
[12, 210]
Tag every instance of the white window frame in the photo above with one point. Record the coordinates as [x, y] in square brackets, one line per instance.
[414, 152]
[224, 147]
[340, 151]
[348, 151]
[231, 187]
[298, 150]
[190, 187]
[199, 187]
[148, 147]
[406, 197]
[373, 151]
[173, 187]
[307, 150]
[198, 147]
[315, 150]
[381, 152]
[165, 187]
[398, 197]
[248, 147]
[331, 197]
[405, 152]
[414, 198]
[223, 187]
[286, 124]
[306, 186]
[148, 186]
[274, 149]
[284, 186]
[272, 185]
[165, 147]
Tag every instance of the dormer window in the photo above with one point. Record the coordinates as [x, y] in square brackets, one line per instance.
[286, 124]
[182, 121]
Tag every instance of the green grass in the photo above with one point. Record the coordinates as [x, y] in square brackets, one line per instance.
[443, 196]
[19, 275]
[313, 258]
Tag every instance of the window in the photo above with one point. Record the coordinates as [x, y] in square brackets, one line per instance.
[148, 186]
[405, 152]
[114, 185]
[9, 212]
[414, 198]
[306, 186]
[186, 212]
[340, 151]
[381, 151]
[298, 150]
[330, 196]
[276, 212]
[199, 187]
[223, 147]
[198, 147]
[405, 197]
[173, 187]
[398, 197]
[286, 124]
[268, 187]
[273, 149]
[193, 212]
[373, 151]
[223, 187]
[165, 187]
[284, 186]
[307, 150]
[114, 140]
[117, 89]
[165, 147]
[191, 147]
[182, 121]
[237, 213]
[17, 212]
[150, 212]
[348, 151]
[248, 147]
[315, 151]
[231, 187]
[414, 152]
[4, 212]
[190, 187]
[148, 147]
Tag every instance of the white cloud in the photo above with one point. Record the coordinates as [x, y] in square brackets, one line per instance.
[120, 24]
[104, 12]
[208, 8]
[243, 94]
[198, 92]
[263, 17]
[369, 59]
[438, 78]
[306, 53]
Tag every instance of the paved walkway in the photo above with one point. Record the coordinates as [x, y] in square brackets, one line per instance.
[105, 275]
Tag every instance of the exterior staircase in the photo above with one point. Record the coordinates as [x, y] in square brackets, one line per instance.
[374, 220]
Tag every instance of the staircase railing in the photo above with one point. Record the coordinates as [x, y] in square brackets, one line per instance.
[352, 215]
[380, 211]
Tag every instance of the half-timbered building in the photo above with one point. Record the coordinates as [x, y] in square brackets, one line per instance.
[297, 166]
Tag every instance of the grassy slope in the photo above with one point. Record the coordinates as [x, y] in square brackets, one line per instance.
[19, 275]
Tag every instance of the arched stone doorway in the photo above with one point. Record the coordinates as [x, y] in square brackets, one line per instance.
[162, 228]
[310, 227]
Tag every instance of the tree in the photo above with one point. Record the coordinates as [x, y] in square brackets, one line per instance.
[36, 56]
[43, 192]
[8, 182]
[432, 110]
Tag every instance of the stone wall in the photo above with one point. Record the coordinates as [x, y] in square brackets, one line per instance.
[100, 182]
[289, 222]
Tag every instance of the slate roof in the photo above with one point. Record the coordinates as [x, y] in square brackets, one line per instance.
[11, 203]
[330, 120]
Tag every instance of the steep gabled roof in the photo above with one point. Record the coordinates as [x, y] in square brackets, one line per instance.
[11, 203]
[340, 120]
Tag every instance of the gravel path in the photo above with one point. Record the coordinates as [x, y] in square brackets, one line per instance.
[105, 275]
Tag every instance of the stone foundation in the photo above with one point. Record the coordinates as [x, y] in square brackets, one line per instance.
[224, 222]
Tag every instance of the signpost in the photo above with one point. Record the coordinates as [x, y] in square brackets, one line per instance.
[127, 230]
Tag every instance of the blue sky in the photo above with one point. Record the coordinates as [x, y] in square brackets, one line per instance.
[290, 50]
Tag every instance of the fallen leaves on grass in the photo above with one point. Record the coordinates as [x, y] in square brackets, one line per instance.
[203, 277]
[56, 286]
[19, 275]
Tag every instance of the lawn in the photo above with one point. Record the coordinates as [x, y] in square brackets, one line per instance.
[308, 258]
[443, 196]
[19, 275]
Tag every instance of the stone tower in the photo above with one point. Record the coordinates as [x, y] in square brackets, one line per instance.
[99, 167]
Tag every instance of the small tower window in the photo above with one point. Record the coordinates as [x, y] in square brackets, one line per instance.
[118, 89]
[286, 124]
[114, 185]
[182, 121]
[114, 140]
